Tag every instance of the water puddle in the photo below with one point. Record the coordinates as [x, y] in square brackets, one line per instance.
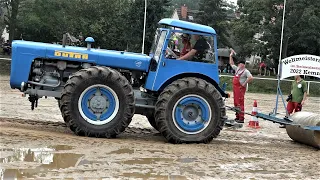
[151, 175]
[187, 160]
[61, 147]
[38, 162]
[157, 151]
[162, 161]
[49, 158]
[122, 151]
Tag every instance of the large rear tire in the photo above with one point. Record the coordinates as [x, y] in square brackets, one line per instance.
[97, 102]
[190, 110]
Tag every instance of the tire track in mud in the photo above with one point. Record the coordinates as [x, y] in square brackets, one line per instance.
[44, 128]
[53, 126]
[22, 132]
[228, 136]
[32, 122]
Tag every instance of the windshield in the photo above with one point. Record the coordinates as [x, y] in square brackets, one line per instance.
[159, 45]
[155, 40]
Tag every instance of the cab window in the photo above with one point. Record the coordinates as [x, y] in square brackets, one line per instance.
[181, 44]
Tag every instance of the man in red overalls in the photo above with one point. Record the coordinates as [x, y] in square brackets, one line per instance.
[241, 78]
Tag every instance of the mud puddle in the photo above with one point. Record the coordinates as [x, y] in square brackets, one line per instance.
[43, 159]
[38, 162]
[151, 175]
[122, 151]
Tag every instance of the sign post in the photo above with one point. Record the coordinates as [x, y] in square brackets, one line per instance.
[279, 65]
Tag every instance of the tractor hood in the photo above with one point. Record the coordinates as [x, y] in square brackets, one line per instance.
[24, 52]
[110, 58]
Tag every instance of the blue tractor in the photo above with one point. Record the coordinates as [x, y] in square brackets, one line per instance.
[99, 91]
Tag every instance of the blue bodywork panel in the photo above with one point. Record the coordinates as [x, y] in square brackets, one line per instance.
[187, 25]
[174, 67]
[24, 52]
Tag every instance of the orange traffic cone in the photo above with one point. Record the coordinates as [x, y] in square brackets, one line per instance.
[254, 122]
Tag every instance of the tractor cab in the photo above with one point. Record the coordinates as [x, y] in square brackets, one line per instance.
[182, 49]
[177, 38]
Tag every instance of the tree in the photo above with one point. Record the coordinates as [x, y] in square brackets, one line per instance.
[264, 18]
[155, 12]
[213, 13]
[191, 4]
[2, 24]
[47, 21]
[12, 8]
[106, 21]
[115, 25]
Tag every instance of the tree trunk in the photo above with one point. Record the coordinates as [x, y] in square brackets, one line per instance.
[285, 47]
[13, 18]
[11, 32]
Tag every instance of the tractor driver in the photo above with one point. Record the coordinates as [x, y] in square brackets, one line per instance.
[186, 44]
[198, 50]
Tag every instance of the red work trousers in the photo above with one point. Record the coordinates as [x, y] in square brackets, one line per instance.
[293, 106]
[238, 96]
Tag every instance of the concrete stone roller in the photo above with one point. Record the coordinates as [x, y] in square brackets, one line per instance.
[308, 137]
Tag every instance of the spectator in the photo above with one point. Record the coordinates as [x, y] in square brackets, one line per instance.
[263, 66]
[240, 80]
[6, 48]
[225, 70]
[298, 96]
[271, 68]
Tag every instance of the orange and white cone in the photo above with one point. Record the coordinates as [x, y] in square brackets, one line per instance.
[254, 122]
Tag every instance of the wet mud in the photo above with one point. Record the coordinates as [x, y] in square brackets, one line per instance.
[38, 145]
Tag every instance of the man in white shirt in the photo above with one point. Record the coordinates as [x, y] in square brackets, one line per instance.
[240, 80]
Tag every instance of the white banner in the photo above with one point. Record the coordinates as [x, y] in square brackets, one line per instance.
[303, 64]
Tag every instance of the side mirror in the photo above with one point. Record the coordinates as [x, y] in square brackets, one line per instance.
[89, 41]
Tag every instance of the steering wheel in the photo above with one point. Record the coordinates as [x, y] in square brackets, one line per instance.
[172, 53]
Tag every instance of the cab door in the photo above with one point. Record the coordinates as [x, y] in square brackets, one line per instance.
[157, 55]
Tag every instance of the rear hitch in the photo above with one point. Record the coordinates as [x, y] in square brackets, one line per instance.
[34, 101]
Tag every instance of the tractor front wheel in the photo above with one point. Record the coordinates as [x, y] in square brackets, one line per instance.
[97, 102]
[190, 110]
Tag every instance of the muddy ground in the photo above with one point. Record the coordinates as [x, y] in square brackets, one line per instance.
[37, 145]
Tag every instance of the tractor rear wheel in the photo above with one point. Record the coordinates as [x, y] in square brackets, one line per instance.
[97, 102]
[190, 110]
